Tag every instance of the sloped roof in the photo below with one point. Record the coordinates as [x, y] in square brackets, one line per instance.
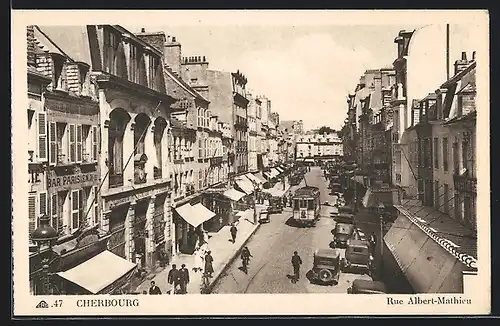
[69, 41]
[170, 74]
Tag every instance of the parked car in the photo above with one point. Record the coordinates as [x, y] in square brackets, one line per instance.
[344, 218]
[264, 216]
[360, 286]
[341, 234]
[347, 209]
[358, 256]
[326, 266]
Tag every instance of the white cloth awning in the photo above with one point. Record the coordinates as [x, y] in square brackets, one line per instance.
[253, 178]
[245, 185]
[98, 272]
[280, 170]
[267, 175]
[274, 172]
[260, 177]
[234, 194]
[201, 213]
[184, 211]
[309, 160]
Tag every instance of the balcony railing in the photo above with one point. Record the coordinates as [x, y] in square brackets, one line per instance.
[464, 183]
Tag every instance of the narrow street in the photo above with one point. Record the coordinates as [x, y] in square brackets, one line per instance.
[272, 247]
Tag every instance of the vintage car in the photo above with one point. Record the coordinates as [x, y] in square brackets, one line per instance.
[275, 205]
[358, 256]
[264, 216]
[326, 266]
[342, 233]
[360, 286]
[344, 218]
[346, 209]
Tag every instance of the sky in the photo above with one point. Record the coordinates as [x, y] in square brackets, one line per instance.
[306, 71]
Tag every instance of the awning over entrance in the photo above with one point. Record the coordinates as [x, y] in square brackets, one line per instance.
[91, 276]
[234, 194]
[202, 214]
[253, 178]
[195, 214]
[260, 177]
[244, 184]
[432, 252]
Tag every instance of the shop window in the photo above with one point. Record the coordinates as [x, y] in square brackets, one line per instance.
[76, 208]
[42, 136]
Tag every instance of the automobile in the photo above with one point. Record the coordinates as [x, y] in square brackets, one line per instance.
[346, 209]
[358, 256]
[264, 216]
[326, 266]
[360, 286]
[342, 233]
[344, 218]
[275, 205]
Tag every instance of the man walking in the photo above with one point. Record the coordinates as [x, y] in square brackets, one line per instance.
[296, 262]
[154, 289]
[184, 278]
[233, 231]
[173, 279]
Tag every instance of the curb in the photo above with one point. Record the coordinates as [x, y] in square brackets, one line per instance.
[231, 259]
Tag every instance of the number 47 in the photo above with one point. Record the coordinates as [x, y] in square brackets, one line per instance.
[58, 303]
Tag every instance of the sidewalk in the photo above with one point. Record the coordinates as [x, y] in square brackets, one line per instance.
[223, 252]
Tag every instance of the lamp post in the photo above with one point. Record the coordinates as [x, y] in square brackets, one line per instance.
[380, 211]
[44, 237]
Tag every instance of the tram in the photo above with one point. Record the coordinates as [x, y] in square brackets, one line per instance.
[306, 205]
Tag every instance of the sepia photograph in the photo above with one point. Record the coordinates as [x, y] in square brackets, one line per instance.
[233, 156]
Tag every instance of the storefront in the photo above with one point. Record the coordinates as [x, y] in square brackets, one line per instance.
[432, 250]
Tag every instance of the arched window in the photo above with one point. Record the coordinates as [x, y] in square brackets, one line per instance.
[141, 124]
[118, 120]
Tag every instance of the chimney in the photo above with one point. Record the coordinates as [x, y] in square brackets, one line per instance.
[462, 63]
[143, 30]
[172, 54]
[31, 45]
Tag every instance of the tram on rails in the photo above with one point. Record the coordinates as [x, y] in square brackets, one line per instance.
[306, 205]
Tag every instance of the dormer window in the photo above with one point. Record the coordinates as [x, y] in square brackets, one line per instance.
[59, 76]
[83, 70]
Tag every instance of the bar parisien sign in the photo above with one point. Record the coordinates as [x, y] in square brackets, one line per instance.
[67, 181]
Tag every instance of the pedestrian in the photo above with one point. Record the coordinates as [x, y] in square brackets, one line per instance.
[154, 289]
[296, 262]
[173, 279]
[184, 278]
[209, 268]
[284, 201]
[233, 231]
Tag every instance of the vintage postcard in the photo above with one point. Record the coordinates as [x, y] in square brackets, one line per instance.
[250, 162]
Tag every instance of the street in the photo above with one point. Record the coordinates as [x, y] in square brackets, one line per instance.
[270, 268]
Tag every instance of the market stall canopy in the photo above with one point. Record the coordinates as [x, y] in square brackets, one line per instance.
[234, 194]
[253, 178]
[245, 185]
[90, 276]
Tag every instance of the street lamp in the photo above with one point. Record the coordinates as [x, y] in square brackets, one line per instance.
[44, 237]
[380, 211]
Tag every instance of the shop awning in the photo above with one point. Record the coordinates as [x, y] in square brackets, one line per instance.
[274, 172]
[184, 211]
[234, 194]
[267, 175]
[280, 170]
[253, 178]
[201, 214]
[260, 177]
[245, 185]
[99, 272]
[310, 160]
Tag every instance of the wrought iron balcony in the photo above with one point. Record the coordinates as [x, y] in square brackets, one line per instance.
[465, 183]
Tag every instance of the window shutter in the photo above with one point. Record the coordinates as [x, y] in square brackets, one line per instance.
[96, 207]
[94, 143]
[53, 211]
[32, 213]
[72, 143]
[42, 136]
[52, 143]
[42, 203]
[75, 194]
[79, 144]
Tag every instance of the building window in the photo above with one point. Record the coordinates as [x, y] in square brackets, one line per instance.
[42, 203]
[436, 194]
[53, 152]
[118, 120]
[456, 158]
[457, 206]
[446, 198]
[42, 136]
[32, 216]
[436, 153]
[72, 144]
[445, 154]
[76, 208]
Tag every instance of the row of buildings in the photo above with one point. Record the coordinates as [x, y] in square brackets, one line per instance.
[135, 149]
[411, 133]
